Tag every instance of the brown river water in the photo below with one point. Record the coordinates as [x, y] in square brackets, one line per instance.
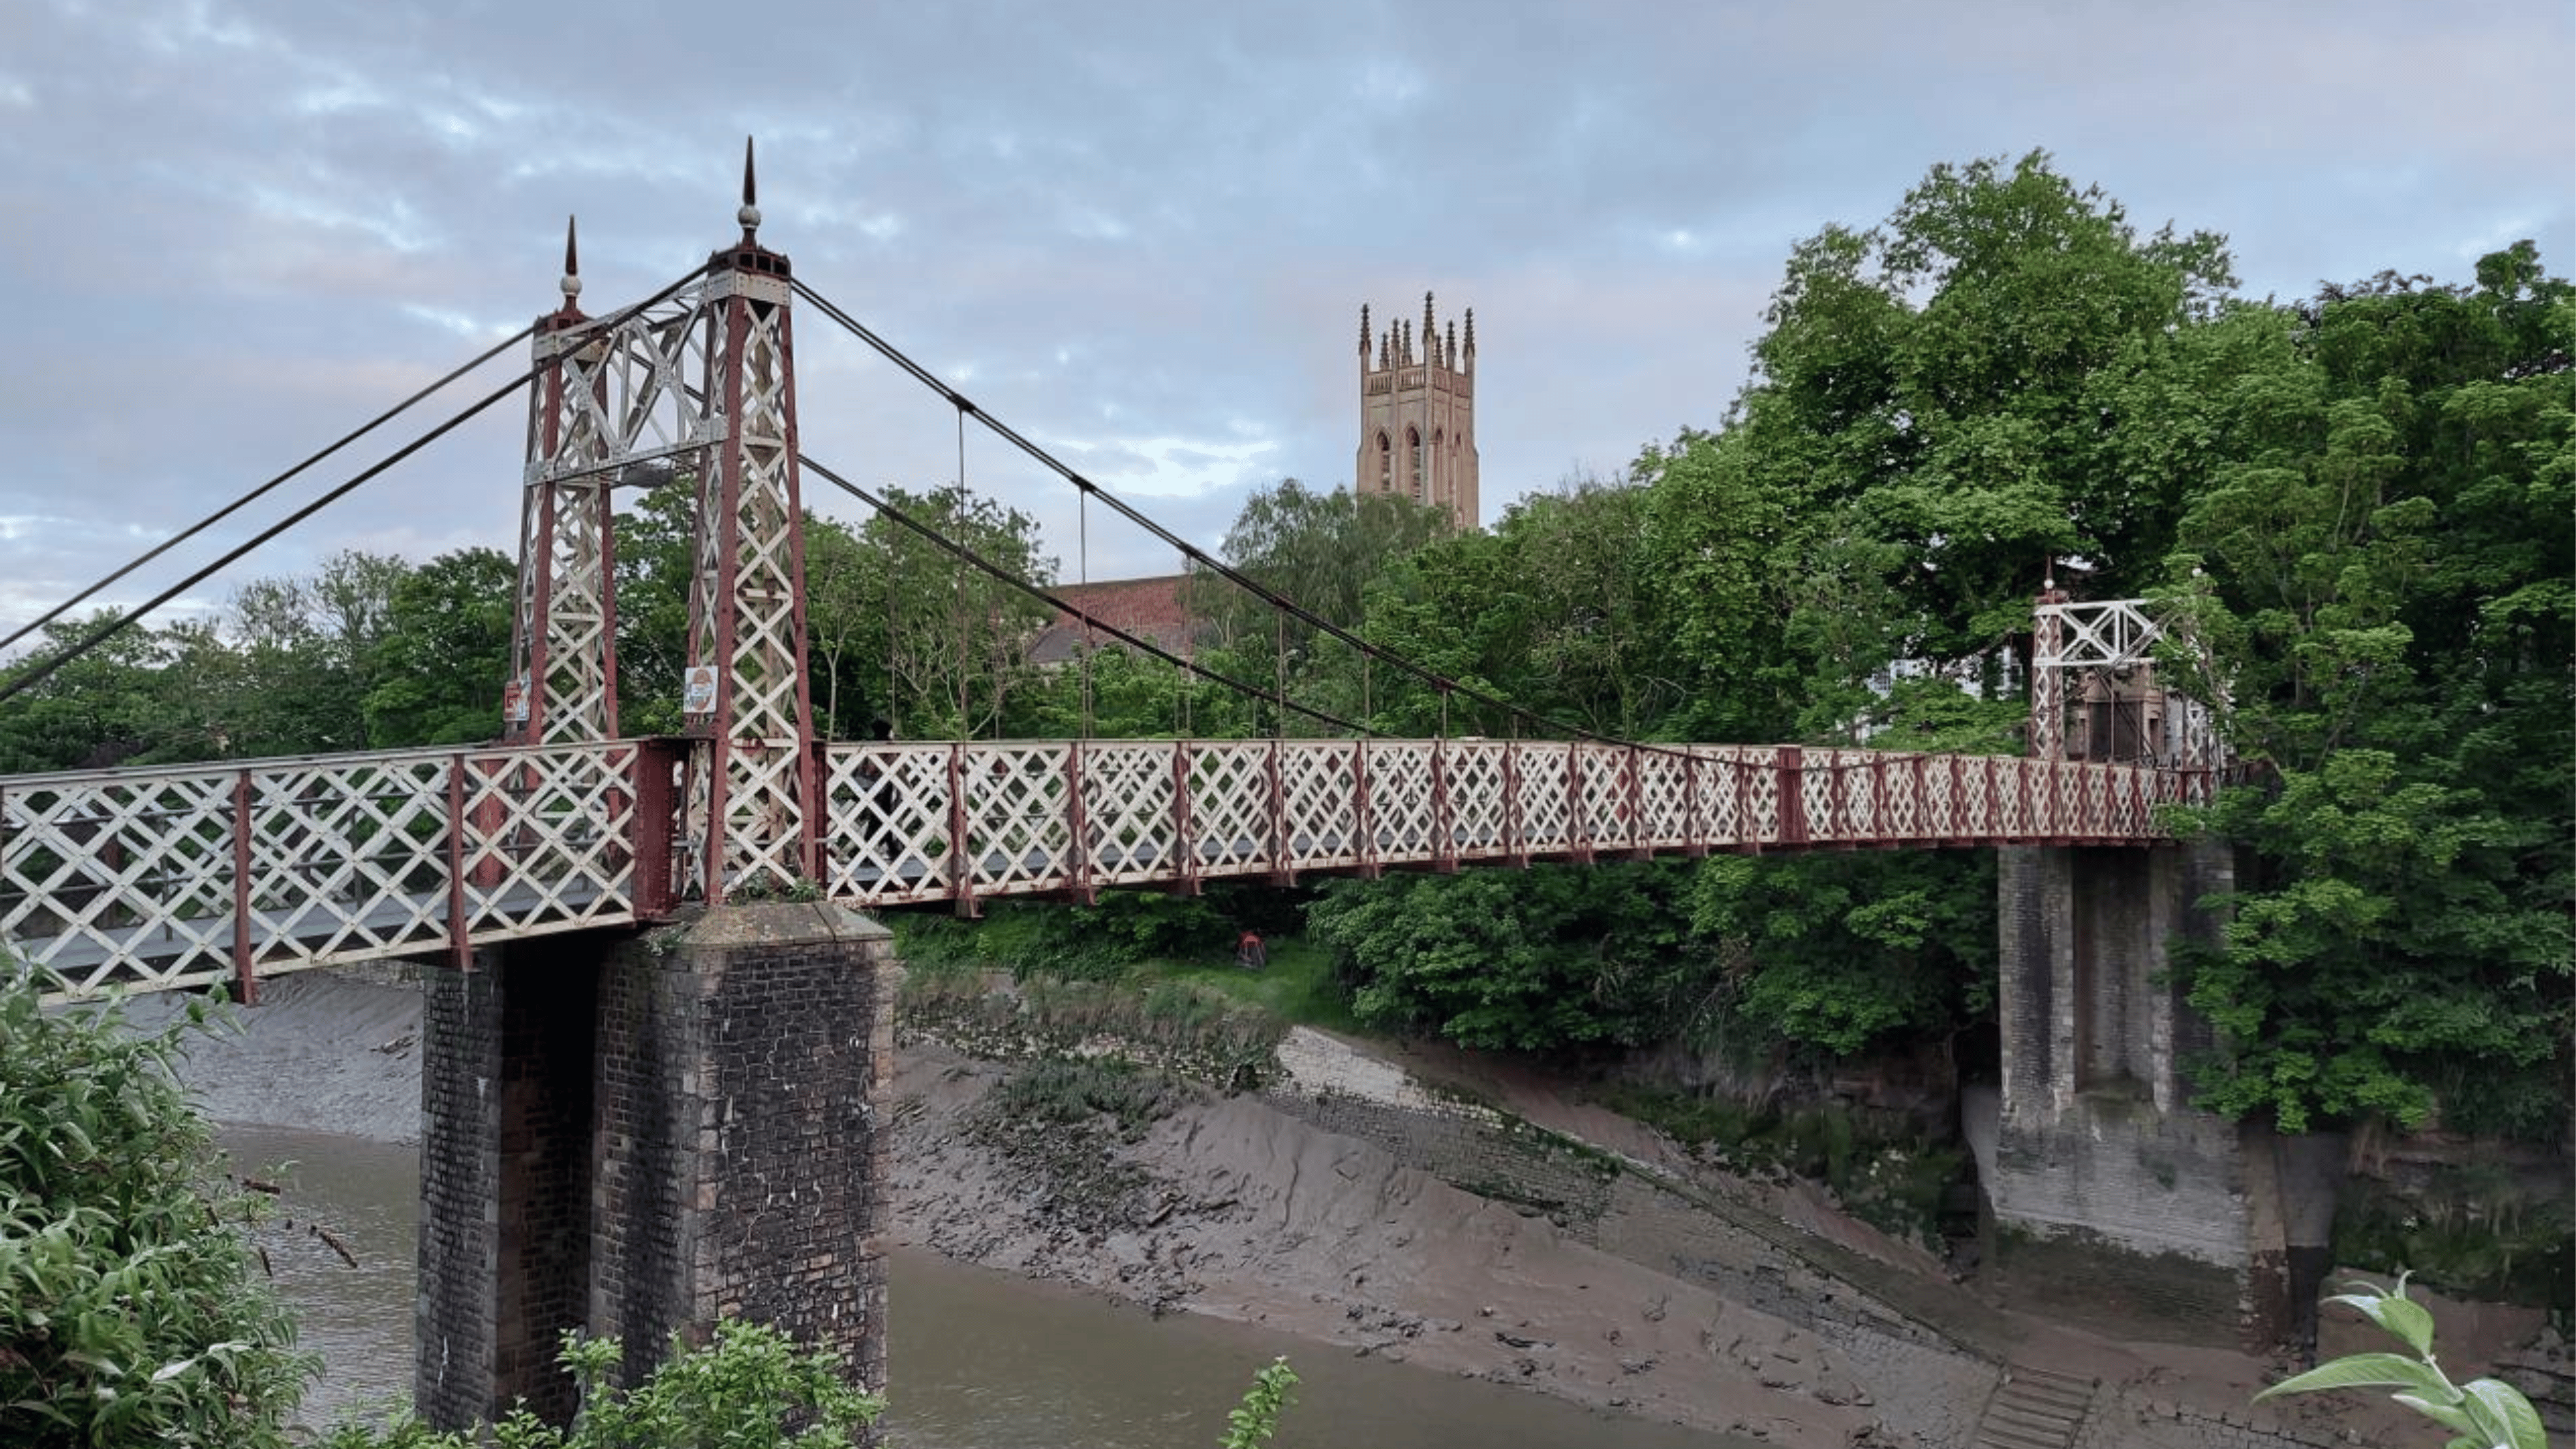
[980, 1360]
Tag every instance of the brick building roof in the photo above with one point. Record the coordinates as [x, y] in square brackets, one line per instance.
[1154, 609]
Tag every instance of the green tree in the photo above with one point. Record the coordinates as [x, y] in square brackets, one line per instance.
[1556, 957]
[132, 1310]
[1554, 611]
[2384, 570]
[1938, 406]
[1839, 954]
[108, 707]
[443, 655]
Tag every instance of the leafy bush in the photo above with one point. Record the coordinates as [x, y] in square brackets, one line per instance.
[132, 1311]
[1556, 957]
[748, 1389]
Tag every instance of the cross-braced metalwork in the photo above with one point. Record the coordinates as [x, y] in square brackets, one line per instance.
[746, 691]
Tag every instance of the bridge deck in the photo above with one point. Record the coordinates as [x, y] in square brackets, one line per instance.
[159, 878]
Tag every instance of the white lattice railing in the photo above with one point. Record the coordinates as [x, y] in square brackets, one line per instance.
[921, 822]
[160, 878]
[156, 878]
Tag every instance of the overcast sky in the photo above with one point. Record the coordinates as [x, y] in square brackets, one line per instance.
[1139, 232]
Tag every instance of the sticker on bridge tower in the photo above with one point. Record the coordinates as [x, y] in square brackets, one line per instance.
[698, 696]
[514, 701]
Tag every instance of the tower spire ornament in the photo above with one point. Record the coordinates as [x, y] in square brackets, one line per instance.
[571, 283]
[749, 216]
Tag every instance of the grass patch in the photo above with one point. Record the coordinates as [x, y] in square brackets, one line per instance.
[1073, 1091]
[1297, 986]
[1888, 1177]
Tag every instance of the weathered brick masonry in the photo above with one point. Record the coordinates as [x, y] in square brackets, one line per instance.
[631, 1135]
[744, 1063]
[505, 1174]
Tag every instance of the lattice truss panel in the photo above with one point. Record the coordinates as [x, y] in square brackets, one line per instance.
[1546, 808]
[1018, 817]
[1604, 817]
[560, 644]
[1478, 772]
[1320, 802]
[1939, 812]
[348, 860]
[120, 881]
[1127, 794]
[1668, 816]
[546, 840]
[887, 827]
[1717, 784]
[1401, 814]
[747, 607]
[565, 605]
[1760, 819]
[635, 385]
[1230, 808]
[163, 878]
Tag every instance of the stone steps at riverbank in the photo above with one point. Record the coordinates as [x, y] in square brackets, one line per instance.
[2034, 1408]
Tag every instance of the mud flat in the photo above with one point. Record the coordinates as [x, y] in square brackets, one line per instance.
[1731, 1308]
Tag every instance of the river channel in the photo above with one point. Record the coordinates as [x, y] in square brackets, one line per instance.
[980, 1360]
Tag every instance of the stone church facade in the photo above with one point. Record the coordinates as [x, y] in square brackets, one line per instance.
[1418, 413]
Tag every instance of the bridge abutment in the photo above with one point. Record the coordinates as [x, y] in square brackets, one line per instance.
[2113, 1198]
[634, 1135]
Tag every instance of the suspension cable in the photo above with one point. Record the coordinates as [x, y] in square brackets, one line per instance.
[970, 557]
[19, 684]
[229, 509]
[1189, 551]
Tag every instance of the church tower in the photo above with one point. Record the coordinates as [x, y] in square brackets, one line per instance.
[1418, 414]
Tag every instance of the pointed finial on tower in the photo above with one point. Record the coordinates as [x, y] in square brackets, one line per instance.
[1449, 349]
[749, 216]
[1364, 332]
[1471, 332]
[571, 283]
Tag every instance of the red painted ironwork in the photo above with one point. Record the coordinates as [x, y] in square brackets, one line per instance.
[1790, 763]
[1185, 844]
[245, 964]
[960, 842]
[460, 931]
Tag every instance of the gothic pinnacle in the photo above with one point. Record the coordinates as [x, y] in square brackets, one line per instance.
[749, 216]
[1364, 331]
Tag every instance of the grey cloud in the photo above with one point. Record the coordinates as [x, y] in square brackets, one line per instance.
[229, 231]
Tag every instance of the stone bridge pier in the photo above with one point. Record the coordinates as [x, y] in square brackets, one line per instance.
[639, 1134]
[2111, 1198]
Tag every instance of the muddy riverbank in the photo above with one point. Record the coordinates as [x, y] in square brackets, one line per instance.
[1757, 1313]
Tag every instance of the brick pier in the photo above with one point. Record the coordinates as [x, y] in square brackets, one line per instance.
[629, 1135]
